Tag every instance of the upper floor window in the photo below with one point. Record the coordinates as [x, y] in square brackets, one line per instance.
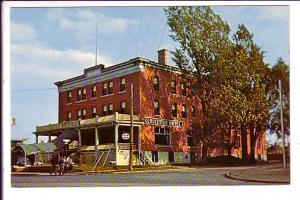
[156, 107]
[193, 111]
[174, 109]
[111, 87]
[183, 89]
[104, 110]
[94, 111]
[111, 109]
[83, 93]
[69, 97]
[190, 140]
[79, 116]
[184, 113]
[104, 89]
[156, 83]
[69, 117]
[122, 84]
[94, 91]
[79, 95]
[173, 87]
[162, 136]
[123, 107]
[83, 113]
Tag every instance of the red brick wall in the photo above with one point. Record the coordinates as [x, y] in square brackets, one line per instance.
[87, 104]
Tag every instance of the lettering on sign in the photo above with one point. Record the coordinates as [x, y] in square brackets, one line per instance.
[162, 122]
[72, 124]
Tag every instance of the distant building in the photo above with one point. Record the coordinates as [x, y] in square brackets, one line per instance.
[95, 108]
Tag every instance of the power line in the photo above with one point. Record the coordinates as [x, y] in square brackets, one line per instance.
[33, 89]
[163, 33]
[162, 15]
[137, 47]
[147, 33]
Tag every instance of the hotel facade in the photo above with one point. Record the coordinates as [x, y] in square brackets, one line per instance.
[95, 109]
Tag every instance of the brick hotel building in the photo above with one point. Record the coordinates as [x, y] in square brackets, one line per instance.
[95, 109]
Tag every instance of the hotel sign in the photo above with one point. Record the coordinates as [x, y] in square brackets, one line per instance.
[71, 124]
[162, 122]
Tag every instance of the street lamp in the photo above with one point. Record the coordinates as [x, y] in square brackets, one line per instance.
[281, 121]
[66, 141]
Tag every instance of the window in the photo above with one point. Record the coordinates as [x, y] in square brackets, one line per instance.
[69, 116]
[94, 91]
[156, 83]
[193, 111]
[94, 111]
[155, 156]
[156, 107]
[183, 113]
[79, 117]
[111, 87]
[111, 109]
[183, 89]
[104, 110]
[122, 84]
[190, 140]
[171, 156]
[104, 89]
[84, 94]
[174, 110]
[122, 107]
[162, 136]
[69, 97]
[83, 113]
[173, 87]
[238, 141]
[79, 96]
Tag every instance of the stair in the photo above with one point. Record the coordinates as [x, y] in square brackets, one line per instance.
[145, 159]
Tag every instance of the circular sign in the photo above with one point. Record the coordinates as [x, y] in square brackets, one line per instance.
[125, 136]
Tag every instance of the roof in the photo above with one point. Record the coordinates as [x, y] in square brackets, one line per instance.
[37, 147]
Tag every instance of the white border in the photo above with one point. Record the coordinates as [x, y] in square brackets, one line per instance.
[244, 192]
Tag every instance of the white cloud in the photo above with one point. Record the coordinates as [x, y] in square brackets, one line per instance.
[22, 32]
[274, 12]
[82, 23]
[44, 62]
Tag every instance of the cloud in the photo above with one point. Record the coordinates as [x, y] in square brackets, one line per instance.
[274, 12]
[45, 62]
[22, 32]
[82, 23]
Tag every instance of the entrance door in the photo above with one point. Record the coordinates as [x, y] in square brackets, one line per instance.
[193, 157]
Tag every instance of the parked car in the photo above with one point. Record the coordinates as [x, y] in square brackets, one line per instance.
[21, 161]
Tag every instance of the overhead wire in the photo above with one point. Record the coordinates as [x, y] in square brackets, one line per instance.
[162, 15]
[147, 32]
[137, 47]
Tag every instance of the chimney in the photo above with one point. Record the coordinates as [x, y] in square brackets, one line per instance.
[14, 120]
[163, 56]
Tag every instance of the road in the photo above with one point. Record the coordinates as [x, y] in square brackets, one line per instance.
[181, 177]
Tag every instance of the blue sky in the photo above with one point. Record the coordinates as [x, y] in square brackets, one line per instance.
[52, 44]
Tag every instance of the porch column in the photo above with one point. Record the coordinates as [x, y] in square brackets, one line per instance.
[49, 137]
[79, 138]
[116, 141]
[36, 138]
[96, 136]
[139, 144]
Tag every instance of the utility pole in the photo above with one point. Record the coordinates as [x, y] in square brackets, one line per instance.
[281, 120]
[131, 126]
[96, 61]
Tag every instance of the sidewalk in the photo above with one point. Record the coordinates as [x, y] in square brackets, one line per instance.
[265, 174]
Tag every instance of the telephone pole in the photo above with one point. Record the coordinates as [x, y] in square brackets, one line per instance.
[281, 121]
[131, 127]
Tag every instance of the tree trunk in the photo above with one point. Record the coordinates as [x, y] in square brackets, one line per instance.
[252, 147]
[244, 144]
[204, 154]
[229, 150]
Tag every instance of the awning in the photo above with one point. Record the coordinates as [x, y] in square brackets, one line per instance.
[36, 148]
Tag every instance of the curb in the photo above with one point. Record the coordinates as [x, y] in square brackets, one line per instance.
[235, 177]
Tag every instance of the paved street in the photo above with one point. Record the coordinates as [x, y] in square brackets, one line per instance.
[181, 177]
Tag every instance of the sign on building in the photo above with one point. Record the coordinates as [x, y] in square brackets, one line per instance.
[162, 122]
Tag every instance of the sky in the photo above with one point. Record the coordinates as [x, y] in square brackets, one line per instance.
[52, 44]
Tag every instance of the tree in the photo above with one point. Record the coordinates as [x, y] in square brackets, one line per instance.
[202, 58]
[280, 71]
